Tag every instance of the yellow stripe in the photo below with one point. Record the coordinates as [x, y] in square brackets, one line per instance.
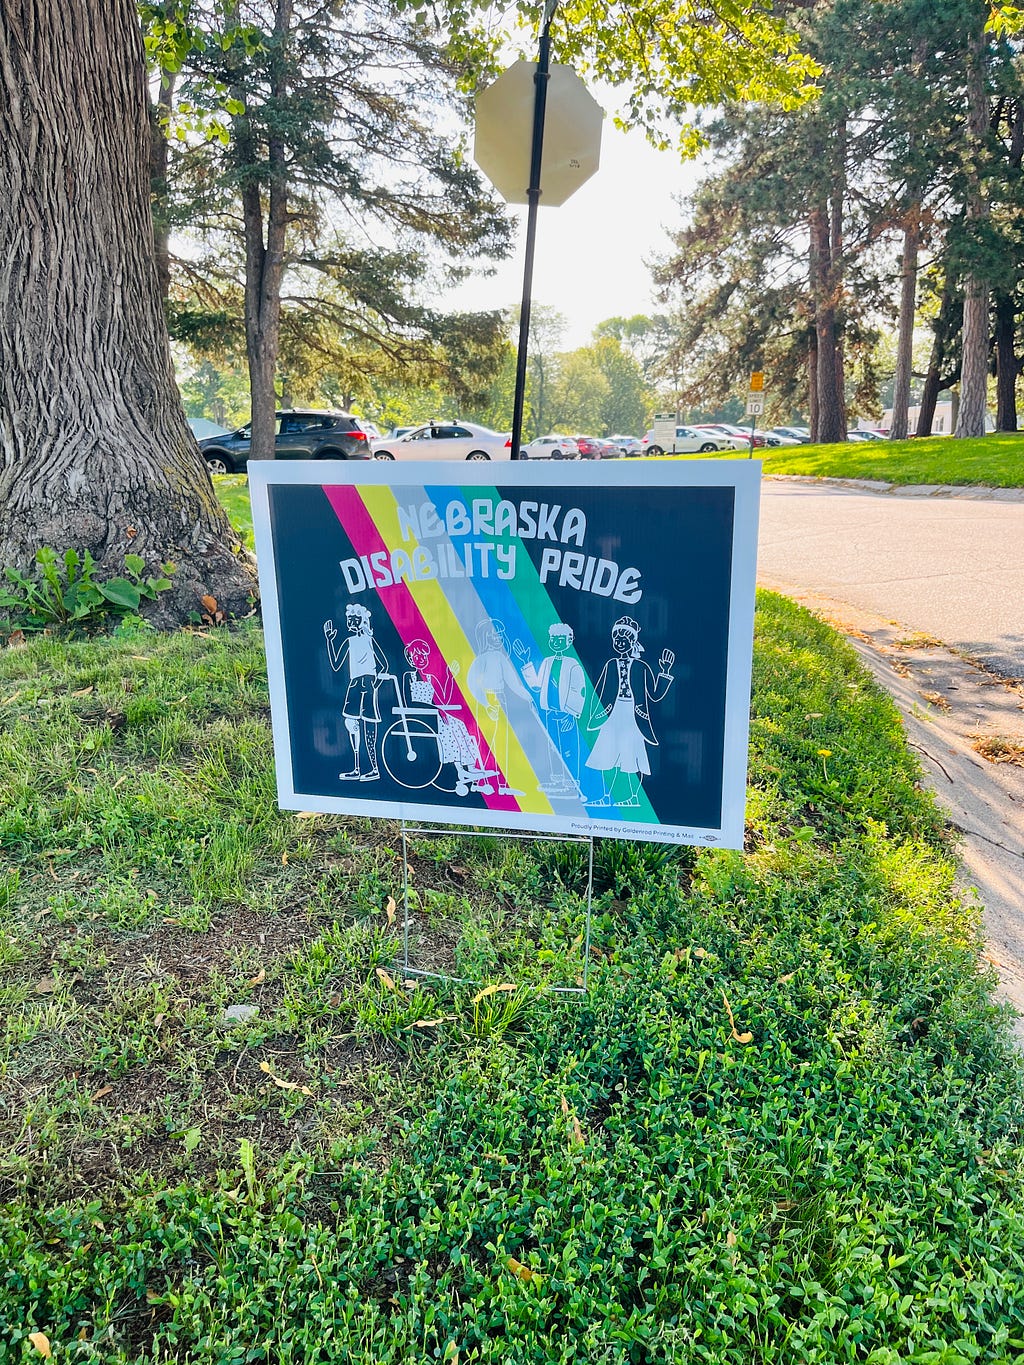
[433, 604]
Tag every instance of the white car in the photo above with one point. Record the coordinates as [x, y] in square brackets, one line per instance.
[444, 441]
[552, 447]
[690, 441]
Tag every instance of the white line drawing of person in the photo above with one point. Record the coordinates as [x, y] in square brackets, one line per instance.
[367, 667]
[455, 743]
[621, 711]
[561, 684]
[492, 677]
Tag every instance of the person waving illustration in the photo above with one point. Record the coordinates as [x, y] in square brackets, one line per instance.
[621, 712]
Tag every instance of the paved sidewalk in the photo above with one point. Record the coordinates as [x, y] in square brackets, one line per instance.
[949, 705]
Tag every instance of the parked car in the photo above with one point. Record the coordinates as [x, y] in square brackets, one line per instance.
[445, 441]
[732, 442]
[799, 434]
[689, 441]
[305, 434]
[203, 428]
[552, 447]
[591, 448]
[395, 432]
[865, 435]
[731, 429]
[776, 438]
[627, 445]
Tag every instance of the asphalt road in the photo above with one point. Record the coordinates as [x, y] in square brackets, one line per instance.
[951, 567]
[899, 574]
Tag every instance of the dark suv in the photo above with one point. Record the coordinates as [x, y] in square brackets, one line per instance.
[302, 434]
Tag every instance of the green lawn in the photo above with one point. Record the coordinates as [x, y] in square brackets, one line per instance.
[784, 1125]
[233, 492]
[994, 461]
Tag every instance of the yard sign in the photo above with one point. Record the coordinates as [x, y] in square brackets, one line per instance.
[546, 647]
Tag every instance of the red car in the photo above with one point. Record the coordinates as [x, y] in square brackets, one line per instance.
[590, 447]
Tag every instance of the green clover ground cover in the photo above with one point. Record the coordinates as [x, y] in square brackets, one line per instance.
[365, 1172]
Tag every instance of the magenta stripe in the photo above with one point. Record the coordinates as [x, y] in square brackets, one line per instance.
[408, 620]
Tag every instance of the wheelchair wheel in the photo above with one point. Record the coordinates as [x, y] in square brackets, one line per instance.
[412, 762]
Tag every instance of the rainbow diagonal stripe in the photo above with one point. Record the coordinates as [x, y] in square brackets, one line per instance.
[517, 747]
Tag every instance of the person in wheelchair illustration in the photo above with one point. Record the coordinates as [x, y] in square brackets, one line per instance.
[428, 737]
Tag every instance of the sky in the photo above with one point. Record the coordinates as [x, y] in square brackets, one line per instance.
[591, 252]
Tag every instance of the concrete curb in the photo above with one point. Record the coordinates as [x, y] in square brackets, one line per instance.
[977, 492]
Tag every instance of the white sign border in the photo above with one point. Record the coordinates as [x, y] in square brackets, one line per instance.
[744, 476]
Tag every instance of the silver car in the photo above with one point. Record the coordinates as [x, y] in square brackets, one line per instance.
[444, 441]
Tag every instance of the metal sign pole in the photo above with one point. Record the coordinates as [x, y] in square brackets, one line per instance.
[533, 198]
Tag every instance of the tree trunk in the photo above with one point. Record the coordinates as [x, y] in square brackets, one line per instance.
[836, 250]
[264, 258]
[831, 422]
[160, 113]
[812, 380]
[933, 381]
[95, 453]
[974, 363]
[899, 428]
[1006, 364]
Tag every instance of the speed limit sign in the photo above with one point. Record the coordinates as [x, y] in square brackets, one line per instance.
[755, 405]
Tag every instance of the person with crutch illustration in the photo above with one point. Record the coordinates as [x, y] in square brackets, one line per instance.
[367, 667]
[621, 712]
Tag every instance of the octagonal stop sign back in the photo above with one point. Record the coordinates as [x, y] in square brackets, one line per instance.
[504, 129]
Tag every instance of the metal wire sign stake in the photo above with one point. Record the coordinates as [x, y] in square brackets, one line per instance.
[409, 970]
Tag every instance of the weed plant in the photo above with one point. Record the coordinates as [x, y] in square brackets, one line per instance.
[782, 1126]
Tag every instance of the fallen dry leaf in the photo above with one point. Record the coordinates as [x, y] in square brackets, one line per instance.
[158, 1019]
[47, 985]
[13, 697]
[390, 909]
[42, 1344]
[16, 639]
[788, 977]
[740, 1037]
[210, 603]
[259, 978]
[284, 1085]
[284, 859]
[387, 979]
[700, 952]
[103, 1090]
[432, 1023]
[83, 691]
[730, 1238]
[492, 990]
[411, 985]
[522, 1272]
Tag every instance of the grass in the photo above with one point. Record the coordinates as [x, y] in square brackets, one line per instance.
[233, 492]
[364, 1171]
[995, 461]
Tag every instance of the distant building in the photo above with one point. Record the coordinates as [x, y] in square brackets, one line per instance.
[943, 422]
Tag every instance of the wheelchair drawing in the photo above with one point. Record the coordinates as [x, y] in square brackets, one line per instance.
[412, 750]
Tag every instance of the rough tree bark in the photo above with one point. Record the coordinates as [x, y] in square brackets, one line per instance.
[899, 427]
[831, 419]
[974, 363]
[159, 159]
[264, 246]
[1007, 364]
[95, 453]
